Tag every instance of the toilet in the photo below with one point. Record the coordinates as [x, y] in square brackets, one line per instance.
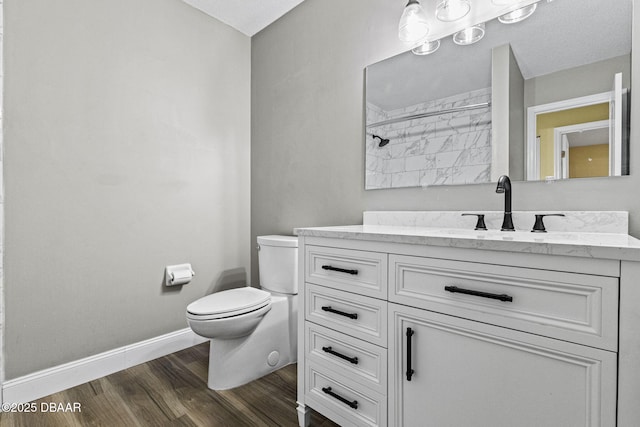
[253, 331]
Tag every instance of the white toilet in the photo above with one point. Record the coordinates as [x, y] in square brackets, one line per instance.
[253, 332]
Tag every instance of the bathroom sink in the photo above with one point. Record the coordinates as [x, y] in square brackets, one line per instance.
[509, 235]
[528, 236]
[522, 236]
[587, 233]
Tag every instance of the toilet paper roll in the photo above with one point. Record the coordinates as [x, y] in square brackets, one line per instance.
[180, 277]
[178, 274]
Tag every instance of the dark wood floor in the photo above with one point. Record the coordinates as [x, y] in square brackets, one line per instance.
[171, 391]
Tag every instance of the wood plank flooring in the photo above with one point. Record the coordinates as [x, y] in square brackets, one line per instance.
[171, 391]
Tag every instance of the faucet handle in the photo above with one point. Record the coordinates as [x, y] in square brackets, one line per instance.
[480, 224]
[538, 227]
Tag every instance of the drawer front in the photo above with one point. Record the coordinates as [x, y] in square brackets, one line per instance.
[344, 402]
[355, 315]
[349, 357]
[350, 270]
[574, 307]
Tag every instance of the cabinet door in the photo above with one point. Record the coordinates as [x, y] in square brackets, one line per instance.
[467, 373]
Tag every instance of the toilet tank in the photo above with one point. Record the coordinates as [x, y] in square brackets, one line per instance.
[278, 263]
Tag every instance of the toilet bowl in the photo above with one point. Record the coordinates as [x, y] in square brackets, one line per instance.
[253, 331]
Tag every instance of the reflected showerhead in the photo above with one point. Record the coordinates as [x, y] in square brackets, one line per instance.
[383, 141]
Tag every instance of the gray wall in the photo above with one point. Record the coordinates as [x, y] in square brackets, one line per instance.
[500, 110]
[516, 120]
[127, 149]
[307, 154]
[586, 80]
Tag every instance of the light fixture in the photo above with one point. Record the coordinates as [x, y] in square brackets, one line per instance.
[518, 14]
[469, 35]
[426, 48]
[413, 25]
[452, 10]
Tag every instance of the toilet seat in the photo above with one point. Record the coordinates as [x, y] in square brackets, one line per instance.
[230, 303]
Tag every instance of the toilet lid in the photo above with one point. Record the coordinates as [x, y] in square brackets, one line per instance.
[230, 303]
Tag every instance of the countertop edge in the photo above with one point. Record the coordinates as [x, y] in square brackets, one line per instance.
[404, 236]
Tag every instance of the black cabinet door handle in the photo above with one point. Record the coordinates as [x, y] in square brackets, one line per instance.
[501, 297]
[410, 371]
[353, 404]
[341, 313]
[340, 270]
[329, 350]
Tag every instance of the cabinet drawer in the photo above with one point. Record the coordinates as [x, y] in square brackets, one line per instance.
[346, 403]
[574, 307]
[355, 315]
[350, 270]
[349, 357]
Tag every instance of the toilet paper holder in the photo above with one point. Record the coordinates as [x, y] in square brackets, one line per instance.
[179, 274]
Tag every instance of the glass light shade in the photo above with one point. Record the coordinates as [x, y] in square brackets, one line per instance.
[518, 14]
[426, 48]
[469, 35]
[452, 10]
[413, 25]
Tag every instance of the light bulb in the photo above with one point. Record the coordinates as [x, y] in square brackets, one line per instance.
[413, 25]
[452, 10]
[469, 35]
[518, 14]
[426, 48]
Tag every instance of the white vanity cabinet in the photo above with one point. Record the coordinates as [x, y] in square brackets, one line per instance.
[496, 345]
[447, 336]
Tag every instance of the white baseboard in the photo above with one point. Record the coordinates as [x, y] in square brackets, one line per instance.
[43, 383]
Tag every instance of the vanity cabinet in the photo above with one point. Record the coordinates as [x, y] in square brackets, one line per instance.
[498, 345]
[447, 336]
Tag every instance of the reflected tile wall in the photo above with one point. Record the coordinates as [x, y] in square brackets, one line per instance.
[451, 148]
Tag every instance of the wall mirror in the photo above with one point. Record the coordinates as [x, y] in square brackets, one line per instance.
[546, 98]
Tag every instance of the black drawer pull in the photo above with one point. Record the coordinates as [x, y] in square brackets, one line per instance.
[329, 350]
[341, 270]
[341, 313]
[410, 371]
[501, 297]
[353, 404]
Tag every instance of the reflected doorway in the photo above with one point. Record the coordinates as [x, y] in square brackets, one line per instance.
[582, 150]
[578, 138]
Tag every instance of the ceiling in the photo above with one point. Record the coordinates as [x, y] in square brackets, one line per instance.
[246, 16]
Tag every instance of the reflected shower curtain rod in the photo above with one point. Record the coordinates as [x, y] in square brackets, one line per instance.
[432, 113]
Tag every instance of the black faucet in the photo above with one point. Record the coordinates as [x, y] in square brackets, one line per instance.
[504, 186]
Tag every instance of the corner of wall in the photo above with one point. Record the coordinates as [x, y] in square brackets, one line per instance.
[1, 198]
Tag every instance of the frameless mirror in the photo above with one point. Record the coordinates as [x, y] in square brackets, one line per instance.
[546, 98]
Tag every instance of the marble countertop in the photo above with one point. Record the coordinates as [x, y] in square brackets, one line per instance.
[580, 244]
